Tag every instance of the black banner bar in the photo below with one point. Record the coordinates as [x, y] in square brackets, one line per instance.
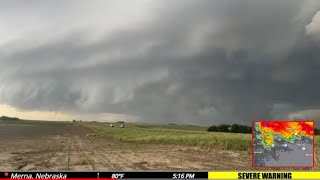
[104, 174]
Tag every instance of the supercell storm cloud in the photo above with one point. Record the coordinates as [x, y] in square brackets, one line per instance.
[186, 61]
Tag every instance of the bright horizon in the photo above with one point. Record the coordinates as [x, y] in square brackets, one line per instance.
[10, 111]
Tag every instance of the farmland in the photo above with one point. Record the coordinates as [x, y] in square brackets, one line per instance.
[177, 135]
[43, 145]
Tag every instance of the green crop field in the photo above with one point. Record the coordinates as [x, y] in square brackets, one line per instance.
[174, 134]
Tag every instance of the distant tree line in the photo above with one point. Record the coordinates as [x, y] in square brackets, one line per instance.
[6, 118]
[237, 128]
[76, 120]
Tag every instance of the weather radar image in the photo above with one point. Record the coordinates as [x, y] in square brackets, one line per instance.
[283, 144]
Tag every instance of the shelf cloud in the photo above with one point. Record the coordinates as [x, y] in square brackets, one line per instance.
[200, 62]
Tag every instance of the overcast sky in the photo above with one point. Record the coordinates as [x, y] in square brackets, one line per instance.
[158, 61]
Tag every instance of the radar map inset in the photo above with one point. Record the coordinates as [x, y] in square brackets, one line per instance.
[283, 144]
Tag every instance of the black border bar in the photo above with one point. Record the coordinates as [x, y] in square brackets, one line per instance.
[111, 174]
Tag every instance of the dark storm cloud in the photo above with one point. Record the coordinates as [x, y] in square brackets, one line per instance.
[193, 62]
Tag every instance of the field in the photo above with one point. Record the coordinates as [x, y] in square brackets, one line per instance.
[177, 135]
[40, 145]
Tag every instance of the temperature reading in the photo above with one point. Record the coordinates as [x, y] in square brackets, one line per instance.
[118, 176]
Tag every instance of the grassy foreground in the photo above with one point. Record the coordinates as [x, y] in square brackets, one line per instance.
[174, 134]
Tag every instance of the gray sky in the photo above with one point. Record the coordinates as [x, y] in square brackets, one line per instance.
[183, 61]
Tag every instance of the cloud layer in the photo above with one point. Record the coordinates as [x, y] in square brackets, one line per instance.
[191, 62]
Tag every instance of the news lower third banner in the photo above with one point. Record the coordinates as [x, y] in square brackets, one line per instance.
[222, 175]
[104, 175]
[264, 175]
